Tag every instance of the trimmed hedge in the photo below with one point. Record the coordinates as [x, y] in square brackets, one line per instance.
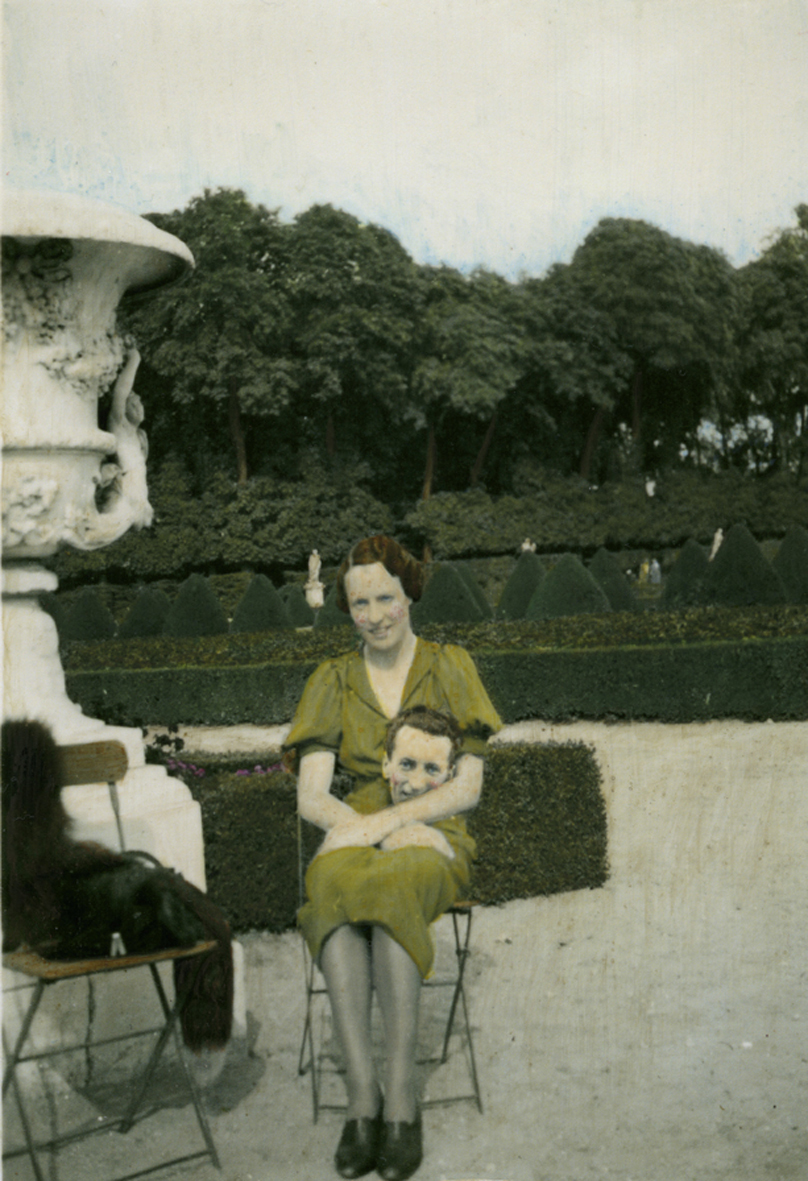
[673, 666]
[540, 829]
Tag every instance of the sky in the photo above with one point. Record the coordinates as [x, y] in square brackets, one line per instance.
[488, 133]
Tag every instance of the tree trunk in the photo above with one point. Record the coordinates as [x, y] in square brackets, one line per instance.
[482, 454]
[236, 430]
[592, 439]
[636, 406]
[330, 437]
[429, 474]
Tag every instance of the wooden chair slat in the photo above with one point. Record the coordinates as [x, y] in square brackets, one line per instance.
[93, 762]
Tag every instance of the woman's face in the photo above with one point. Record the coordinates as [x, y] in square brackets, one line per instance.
[379, 608]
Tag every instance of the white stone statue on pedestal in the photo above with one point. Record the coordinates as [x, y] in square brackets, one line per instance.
[314, 590]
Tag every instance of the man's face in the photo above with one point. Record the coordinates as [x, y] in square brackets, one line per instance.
[419, 763]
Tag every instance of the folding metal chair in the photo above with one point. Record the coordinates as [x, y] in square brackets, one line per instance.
[50, 972]
[100, 762]
[313, 1059]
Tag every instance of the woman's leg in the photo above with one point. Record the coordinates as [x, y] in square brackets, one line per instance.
[398, 987]
[345, 964]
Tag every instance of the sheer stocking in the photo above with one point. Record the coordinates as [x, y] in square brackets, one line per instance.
[345, 964]
[398, 987]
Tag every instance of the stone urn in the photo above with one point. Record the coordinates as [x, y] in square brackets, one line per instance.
[74, 474]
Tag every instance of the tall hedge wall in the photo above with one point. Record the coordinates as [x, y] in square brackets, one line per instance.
[672, 666]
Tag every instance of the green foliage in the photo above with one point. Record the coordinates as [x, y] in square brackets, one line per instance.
[88, 619]
[267, 524]
[527, 575]
[674, 666]
[605, 569]
[300, 613]
[330, 615]
[261, 608]
[791, 563]
[541, 825]
[563, 513]
[540, 828]
[684, 585]
[147, 615]
[739, 574]
[446, 598]
[53, 605]
[196, 611]
[249, 825]
[568, 589]
[773, 345]
[474, 587]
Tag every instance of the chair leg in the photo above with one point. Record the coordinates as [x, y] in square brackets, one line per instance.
[462, 951]
[11, 1072]
[170, 1028]
[308, 1036]
[22, 1037]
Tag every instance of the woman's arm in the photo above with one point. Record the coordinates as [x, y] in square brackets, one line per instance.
[314, 799]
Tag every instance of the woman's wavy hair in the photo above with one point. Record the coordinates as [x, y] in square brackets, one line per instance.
[395, 559]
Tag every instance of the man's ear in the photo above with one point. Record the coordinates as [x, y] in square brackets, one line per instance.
[386, 768]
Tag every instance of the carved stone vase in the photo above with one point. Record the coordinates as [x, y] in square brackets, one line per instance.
[74, 474]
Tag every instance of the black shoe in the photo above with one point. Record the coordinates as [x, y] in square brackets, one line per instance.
[401, 1150]
[358, 1146]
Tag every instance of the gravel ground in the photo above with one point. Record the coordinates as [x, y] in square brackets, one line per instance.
[652, 1030]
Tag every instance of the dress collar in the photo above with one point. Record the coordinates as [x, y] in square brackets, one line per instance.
[359, 682]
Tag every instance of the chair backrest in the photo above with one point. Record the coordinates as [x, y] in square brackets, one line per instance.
[96, 762]
[92, 762]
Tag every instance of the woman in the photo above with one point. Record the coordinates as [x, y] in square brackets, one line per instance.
[369, 907]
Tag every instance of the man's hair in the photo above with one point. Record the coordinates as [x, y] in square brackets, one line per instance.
[395, 559]
[429, 721]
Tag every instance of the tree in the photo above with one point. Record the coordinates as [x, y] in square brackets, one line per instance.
[466, 359]
[218, 339]
[670, 305]
[773, 343]
[353, 294]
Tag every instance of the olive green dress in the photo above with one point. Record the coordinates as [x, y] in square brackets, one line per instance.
[403, 890]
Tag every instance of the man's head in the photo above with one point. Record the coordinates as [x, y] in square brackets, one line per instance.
[420, 751]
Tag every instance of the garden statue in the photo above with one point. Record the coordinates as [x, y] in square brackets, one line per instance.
[645, 571]
[650, 487]
[314, 589]
[528, 546]
[655, 573]
[718, 537]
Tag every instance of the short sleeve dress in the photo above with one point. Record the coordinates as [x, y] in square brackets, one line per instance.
[403, 890]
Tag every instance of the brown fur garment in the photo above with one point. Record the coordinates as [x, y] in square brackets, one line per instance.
[64, 898]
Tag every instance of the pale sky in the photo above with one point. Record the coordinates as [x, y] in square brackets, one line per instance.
[480, 132]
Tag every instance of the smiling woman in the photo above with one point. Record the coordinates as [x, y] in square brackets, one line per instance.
[374, 889]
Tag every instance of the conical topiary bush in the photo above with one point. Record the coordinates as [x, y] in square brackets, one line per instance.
[88, 618]
[196, 611]
[568, 589]
[475, 588]
[299, 612]
[791, 563]
[329, 615]
[446, 599]
[739, 574]
[684, 586]
[147, 615]
[605, 569]
[518, 590]
[261, 608]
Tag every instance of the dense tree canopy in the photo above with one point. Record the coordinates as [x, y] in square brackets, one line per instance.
[321, 340]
